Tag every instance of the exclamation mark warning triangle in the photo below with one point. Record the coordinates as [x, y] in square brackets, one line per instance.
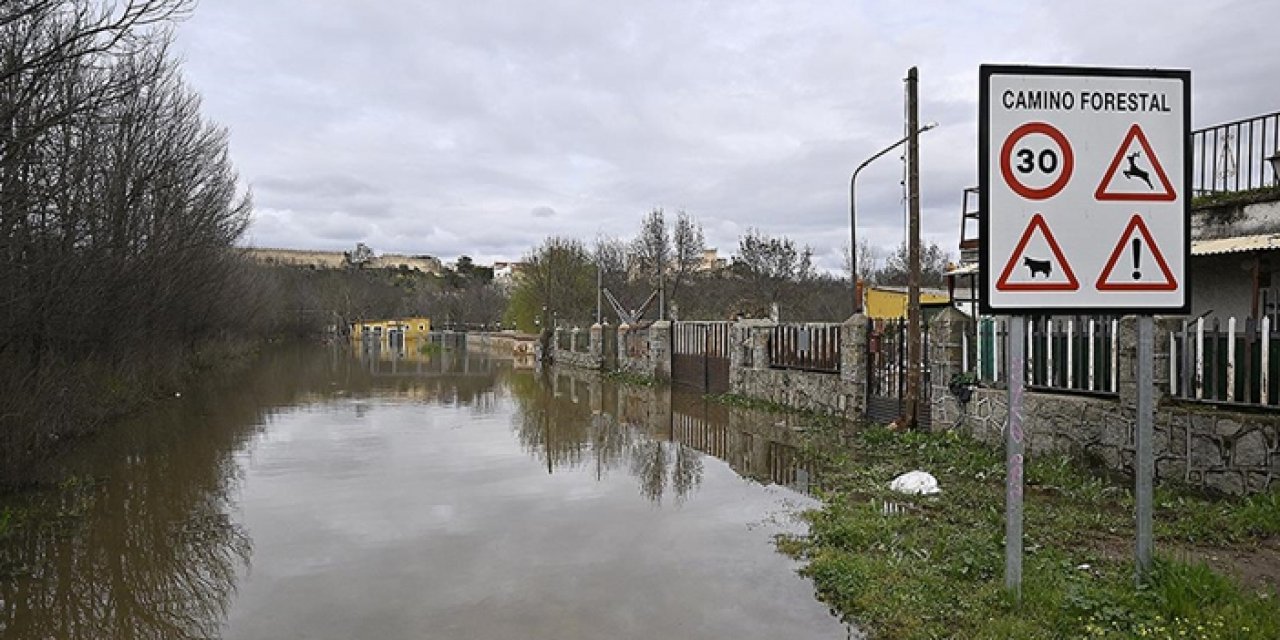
[1142, 268]
[1135, 173]
[1037, 263]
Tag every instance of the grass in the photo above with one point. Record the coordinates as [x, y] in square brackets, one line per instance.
[934, 568]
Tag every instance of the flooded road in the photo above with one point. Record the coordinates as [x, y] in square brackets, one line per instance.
[332, 495]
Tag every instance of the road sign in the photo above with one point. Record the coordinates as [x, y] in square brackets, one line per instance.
[1084, 176]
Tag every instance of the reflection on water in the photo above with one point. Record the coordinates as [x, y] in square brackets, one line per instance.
[656, 434]
[372, 492]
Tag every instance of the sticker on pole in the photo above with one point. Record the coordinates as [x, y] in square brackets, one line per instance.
[1136, 264]
[1135, 173]
[1036, 160]
[1037, 263]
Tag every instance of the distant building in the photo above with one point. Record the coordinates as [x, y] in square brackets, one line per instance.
[412, 328]
[340, 259]
[711, 260]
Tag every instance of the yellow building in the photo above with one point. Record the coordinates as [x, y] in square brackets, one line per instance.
[409, 328]
[891, 302]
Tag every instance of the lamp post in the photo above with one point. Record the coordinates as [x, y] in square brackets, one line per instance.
[853, 214]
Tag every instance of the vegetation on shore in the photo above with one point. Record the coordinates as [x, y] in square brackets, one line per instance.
[933, 566]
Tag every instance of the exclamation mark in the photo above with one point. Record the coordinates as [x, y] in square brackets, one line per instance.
[1137, 258]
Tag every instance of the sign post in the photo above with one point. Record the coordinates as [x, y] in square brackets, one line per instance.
[1083, 180]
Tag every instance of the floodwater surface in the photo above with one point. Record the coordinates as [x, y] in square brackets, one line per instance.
[326, 494]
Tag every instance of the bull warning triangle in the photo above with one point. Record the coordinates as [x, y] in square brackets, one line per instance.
[1065, 281]
[1140, 248]
[1142, 179]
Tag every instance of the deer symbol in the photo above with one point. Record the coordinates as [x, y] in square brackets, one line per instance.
[1134, 172]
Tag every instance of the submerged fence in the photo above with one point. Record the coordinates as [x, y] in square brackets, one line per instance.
[1225, 361]
[1062, 354]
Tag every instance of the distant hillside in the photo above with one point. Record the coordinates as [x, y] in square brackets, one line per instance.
[338, 259]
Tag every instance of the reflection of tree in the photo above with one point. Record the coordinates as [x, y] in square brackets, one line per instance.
[564, 433]
[151, 551]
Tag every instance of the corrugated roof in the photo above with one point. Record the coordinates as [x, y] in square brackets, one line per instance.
[1236, 244]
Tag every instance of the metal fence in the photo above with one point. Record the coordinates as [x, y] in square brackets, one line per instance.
[1233, 156]
[806, 347]
[1225, 362]
[1062, 354]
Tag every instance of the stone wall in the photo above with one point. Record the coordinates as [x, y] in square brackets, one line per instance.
[832, 393]
[1222, 449]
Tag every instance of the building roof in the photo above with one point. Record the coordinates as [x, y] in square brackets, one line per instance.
[1235, 244]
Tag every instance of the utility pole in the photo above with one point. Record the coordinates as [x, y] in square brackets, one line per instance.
[914, 355]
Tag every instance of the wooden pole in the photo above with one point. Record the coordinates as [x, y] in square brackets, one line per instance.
[914, 355]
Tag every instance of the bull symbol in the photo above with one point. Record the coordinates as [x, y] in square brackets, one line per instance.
[1038, 266]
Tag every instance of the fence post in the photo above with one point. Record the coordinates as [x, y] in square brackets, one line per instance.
[853, 363]
[660, 349]
[946, 360]
[596, 345]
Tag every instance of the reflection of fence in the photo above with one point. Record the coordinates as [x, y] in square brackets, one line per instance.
[1231, 363]
[808, 347]
[1233, 156]
[1067, 354]
[753, 455]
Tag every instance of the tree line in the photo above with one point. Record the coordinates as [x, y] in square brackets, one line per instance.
[119, 208]
[661, 271]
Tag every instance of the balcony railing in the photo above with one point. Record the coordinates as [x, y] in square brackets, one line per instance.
[1233, 156]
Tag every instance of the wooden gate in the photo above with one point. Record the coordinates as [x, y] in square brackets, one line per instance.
[700, 356]
[887, 371]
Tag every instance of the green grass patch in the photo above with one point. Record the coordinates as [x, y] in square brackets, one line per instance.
[933, 566]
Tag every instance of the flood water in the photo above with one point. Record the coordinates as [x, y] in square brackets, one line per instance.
[331, 494]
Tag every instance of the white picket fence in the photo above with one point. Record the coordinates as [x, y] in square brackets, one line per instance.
[1067, 354]
[1232, 363]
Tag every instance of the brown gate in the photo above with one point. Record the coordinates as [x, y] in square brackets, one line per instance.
[887, 372]
[700, 356]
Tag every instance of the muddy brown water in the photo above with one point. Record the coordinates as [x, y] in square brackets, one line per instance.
[335, 494]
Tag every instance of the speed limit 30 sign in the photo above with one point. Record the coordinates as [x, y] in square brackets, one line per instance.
[1083, 178]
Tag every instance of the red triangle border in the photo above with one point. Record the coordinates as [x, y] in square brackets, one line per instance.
[1003, 283]
[1170, 283]
[1101, 192]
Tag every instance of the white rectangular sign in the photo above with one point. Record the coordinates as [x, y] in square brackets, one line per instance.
[1084, 177]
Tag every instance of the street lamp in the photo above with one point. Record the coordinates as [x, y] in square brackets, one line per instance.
[853, 213]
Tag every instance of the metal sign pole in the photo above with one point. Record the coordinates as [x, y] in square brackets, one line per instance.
[1013, 458]
[1144, 465]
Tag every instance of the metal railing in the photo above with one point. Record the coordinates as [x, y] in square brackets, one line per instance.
[1062, 354]
[1233, 156]
[1232, 362]
[806, 347]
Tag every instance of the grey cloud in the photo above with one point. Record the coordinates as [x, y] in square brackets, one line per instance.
[428, 126]
[542, 212]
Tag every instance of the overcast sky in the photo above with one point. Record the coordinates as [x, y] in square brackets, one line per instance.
[481, 127]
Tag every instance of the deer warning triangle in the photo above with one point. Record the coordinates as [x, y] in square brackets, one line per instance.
[1146, 269]
[1037, 263]
[1135, 173]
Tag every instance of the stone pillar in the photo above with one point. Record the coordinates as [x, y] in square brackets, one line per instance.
[946, 361]
[596, 348]
[574, 337]
[853, 363]
[1127, 364]
[660, 349]
[555, 342]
